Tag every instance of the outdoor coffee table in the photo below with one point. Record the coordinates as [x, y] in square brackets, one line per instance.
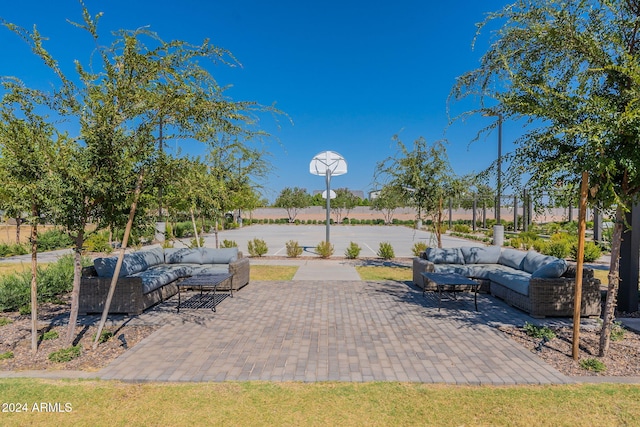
[453, 283]
[208, 282]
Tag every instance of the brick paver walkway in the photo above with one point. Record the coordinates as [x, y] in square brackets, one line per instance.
[335, 331]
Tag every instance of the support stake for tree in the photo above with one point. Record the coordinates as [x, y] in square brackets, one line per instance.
[116, 273]
[582, 225]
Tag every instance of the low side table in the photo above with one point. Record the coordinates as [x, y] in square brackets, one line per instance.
[204, 282]
[453, 282]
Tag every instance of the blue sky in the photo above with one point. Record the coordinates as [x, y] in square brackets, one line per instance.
[349, 74]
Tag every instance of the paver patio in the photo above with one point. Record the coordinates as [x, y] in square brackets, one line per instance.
[335, 331]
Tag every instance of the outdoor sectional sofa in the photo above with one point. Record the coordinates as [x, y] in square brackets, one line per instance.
[538, 284]
[150, 276]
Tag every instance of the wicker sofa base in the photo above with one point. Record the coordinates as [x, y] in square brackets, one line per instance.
[547, 297]
[552, 299]
[127, 297]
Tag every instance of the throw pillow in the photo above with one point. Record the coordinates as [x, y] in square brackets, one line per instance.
[552, 270]
[481, 255]
[511, 258]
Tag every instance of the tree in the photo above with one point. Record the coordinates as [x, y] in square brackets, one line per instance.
[343, 203]
[27, 150]
[293, 200]
[387, 201]
[424, 177]
[133, 85]
[571, 70]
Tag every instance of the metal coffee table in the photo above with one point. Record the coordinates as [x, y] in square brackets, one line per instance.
[453, 283]
[209, 282]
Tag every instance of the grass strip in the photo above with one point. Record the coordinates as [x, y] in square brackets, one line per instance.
[262, 272]
[374, 273]
[345, 404]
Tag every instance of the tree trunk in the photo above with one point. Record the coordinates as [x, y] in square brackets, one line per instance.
[34, 282]
[439, 224]
[123, 246]
[18, 224]
[195, 228]
[614, 282]
[75, 293]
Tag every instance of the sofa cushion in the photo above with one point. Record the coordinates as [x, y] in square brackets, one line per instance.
[534, 260]
[211, 269]
[482, 271]
[219, 255]
[153, 256]
[450, 268]
[131, 264]
[551, 270]
[516, 280]
[160, 275]
[512, 258]
[445, 256]
[481, 255]
[182, 256]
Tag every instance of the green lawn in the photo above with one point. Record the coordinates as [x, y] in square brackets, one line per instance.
[346, 404]
[373, 273]
[272, 272]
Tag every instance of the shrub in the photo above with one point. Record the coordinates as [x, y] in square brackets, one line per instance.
[15, 249]
[558, 249]
[65, 354]
[617, 332]
[593, 364]
[5, 321]
[324, 249]
[418, 248]
[104, 336]
[385, 251]
[53, 280]
[257, 247]
[538, 331]
[461, 228]
[6, 355]
[591, 252]
[515, 243]
[352, 251]
[53, 239]
[229, 244]
[98, 242]
[50, 335]
[294, 250]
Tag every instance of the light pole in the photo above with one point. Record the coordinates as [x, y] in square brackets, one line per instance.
[498, 230]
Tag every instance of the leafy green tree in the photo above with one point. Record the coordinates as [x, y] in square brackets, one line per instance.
[343, 203]
[134, 85]
[388, 200]
[292, 200]
[27, 150]
[570, 68]
[423, 176]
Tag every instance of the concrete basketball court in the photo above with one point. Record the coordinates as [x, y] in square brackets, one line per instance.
[368, 237]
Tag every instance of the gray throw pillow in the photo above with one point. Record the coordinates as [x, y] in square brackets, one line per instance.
[534, 260]
[551, 270]
[511, 258]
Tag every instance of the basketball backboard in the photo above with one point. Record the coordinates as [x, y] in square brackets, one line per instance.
[328, 161]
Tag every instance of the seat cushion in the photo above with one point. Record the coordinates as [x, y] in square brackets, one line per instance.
[516, 280]
[211, 269]
[445, 256]
[160, 275]
[450, 268]
[512, 258]
[480, 255]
